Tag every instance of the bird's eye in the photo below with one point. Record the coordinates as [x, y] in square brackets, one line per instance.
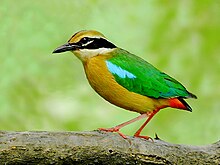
[84, 40]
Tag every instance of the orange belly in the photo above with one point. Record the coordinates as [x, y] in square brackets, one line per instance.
[103, 82]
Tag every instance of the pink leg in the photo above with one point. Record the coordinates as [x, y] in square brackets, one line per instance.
[137, 134]
[118, 127]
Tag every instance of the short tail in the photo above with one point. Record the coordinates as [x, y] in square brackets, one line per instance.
[180, 104]
[191, 96]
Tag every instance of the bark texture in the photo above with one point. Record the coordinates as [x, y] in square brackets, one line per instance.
[97, 147]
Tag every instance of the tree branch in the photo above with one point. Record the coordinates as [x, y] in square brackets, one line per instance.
[97, 147]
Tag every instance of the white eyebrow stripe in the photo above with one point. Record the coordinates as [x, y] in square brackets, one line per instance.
[87, 43]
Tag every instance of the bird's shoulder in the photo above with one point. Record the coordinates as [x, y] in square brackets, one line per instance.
[132, 63]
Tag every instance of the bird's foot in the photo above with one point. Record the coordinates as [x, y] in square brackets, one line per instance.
[144, 137]
[114, 129]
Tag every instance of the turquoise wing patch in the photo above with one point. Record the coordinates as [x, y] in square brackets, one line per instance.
[117, 70]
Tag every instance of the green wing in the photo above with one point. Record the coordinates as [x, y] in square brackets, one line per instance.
[139, 76]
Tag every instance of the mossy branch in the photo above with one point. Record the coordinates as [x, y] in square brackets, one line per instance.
[97, 147]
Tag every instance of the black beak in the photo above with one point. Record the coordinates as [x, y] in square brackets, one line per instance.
[65, 47]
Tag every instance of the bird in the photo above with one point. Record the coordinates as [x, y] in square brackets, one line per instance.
[125, 80]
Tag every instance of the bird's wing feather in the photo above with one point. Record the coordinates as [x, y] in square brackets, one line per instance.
[139, 76]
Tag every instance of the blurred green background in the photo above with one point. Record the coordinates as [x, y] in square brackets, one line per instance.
[41, 91]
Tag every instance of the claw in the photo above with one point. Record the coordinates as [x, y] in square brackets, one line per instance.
[144, 137]
[122, 135]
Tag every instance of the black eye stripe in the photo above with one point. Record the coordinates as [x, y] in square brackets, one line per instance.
[85, 40]
[95, 43]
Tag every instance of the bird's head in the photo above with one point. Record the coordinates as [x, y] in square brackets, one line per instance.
[87, 44]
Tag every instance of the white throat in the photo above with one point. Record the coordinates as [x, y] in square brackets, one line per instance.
[85, 54]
